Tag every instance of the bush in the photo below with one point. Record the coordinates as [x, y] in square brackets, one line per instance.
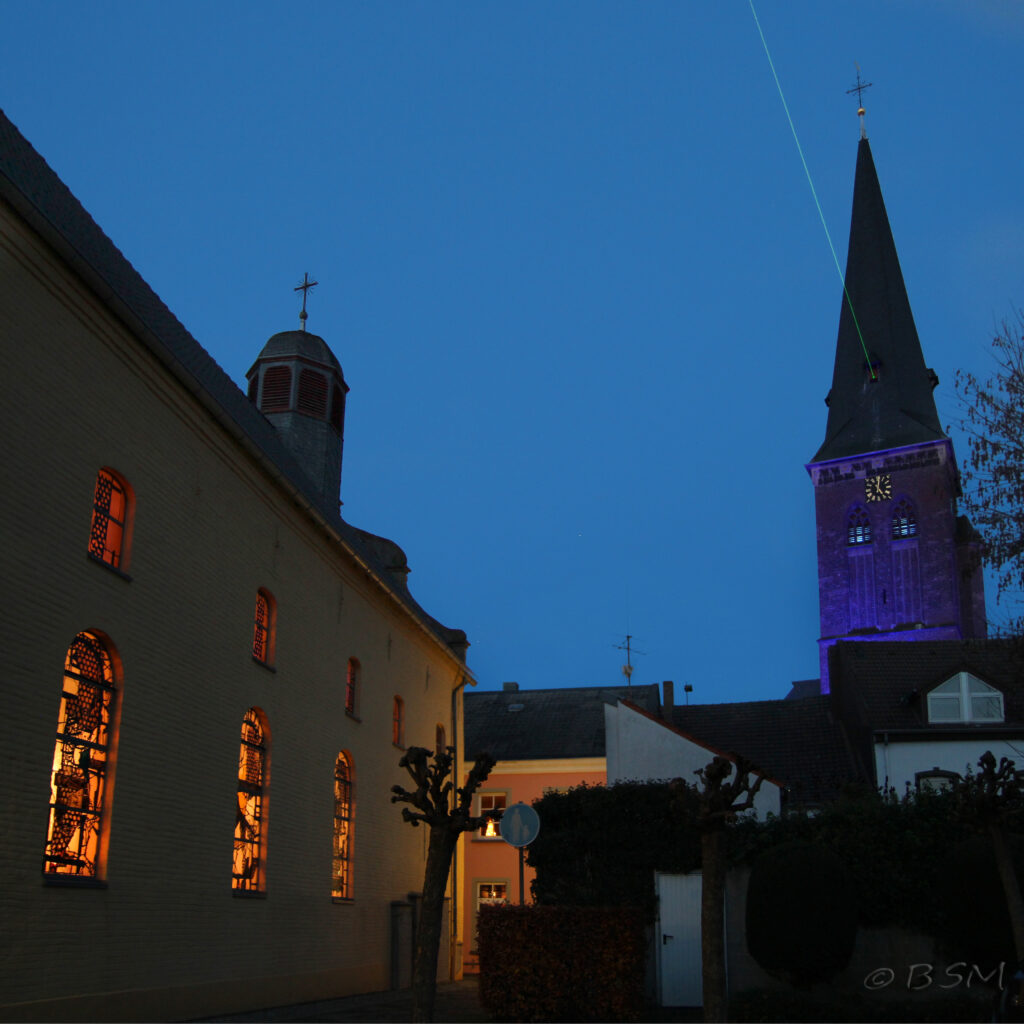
[561, 963]
[801, 913]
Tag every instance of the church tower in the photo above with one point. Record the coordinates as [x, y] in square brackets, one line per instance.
[895, 560]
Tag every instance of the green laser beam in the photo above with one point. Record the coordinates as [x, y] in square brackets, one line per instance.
[807, 171]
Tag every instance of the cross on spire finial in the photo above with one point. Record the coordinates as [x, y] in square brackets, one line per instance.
[859, 90]
[304, 288]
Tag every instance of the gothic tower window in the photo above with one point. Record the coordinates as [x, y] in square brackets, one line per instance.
[248, 867]
[109, 530]
[904, 520]
[78, 781]
[264, 623]
[858, 527]
[341, 880]
[352, 686]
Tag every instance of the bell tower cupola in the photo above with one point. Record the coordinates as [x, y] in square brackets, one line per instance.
[297, 383]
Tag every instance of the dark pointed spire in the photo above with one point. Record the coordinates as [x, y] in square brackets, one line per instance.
[881, 393]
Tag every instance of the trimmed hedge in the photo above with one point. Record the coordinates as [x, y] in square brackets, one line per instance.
[561, 963]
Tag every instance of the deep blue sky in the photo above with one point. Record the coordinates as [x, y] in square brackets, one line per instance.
[570, 264]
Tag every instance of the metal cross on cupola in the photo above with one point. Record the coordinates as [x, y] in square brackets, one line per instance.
[304, 288]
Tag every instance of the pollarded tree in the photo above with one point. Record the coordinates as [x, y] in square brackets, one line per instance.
[993, 420]
[431, 799]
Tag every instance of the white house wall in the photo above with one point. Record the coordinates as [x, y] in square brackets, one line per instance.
[640, 748]
[896, 763]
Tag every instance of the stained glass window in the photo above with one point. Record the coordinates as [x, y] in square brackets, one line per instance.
[858, 528]
[398, 722]
[79, 775]
[341, 884]
[109, 519]
[351, 685]
[904, 520]
[247, 869]
[263, 628]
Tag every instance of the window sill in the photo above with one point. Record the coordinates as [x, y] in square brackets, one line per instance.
[249, 894]
[353, 716]
[110, 568]
[343, 900]
[73, 882]
[263, 664]
[398, 746]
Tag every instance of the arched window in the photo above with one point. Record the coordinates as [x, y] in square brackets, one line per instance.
[344, 814]
[78, 781]
[440, 740]
[108, 534]
[248, 871]
[904, 520]
[858, 527]
[264, 622]
[352, 686]
[398, 722]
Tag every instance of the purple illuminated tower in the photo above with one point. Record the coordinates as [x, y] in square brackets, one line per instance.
[895, 561]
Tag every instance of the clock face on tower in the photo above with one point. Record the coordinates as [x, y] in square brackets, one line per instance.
[878, 488]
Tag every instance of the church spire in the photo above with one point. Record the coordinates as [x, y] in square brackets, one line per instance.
[881, 393]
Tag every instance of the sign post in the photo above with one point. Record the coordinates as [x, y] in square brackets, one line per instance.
[519, 826]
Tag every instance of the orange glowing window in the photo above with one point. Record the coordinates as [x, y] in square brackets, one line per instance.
[78, 779]
[110, 509]
[247, 868]
[263, 627]
[398, 722]
[351, 685]
[341, 875]
[491, 802]
[277, 389]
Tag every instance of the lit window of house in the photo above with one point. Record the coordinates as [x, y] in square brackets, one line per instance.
[965, 698]
[491, 802]
[78, 780]
[108, 533]
[351, 686]
[247, 869]
[398, 722]
[858, 528]
[263, 627]
[341, 882]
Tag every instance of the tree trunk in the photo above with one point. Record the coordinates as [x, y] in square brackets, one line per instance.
[428, 929]
[712, 924]
[1011, 887]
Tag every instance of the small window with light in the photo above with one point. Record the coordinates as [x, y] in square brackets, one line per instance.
[964, 698]
[491, 802]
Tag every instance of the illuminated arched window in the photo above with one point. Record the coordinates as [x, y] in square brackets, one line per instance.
[352, 686]
[78, 780]
[263, 627]
[398, 722]
[108, 534]
[248, 870]
[344, 815]
[858, 528]
[904, 520]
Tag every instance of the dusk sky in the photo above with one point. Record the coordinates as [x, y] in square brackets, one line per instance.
[571, 265]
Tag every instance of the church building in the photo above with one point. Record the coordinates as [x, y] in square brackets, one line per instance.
[210, 675]
[895, 560]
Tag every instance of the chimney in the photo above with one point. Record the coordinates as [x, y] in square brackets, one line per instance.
[669, 700]
[510, 687]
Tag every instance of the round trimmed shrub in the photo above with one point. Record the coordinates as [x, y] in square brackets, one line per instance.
[801, 913]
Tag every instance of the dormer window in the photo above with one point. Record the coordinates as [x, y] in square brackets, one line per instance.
[964, 698]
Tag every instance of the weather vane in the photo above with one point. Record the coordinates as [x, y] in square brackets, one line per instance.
[859, 90]
[304, 288]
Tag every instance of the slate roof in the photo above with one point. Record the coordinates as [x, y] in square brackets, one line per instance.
[898, 408]
[798, 742]
[35, 191]
[528, 725]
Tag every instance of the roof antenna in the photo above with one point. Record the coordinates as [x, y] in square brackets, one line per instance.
[304, 288]
[627, 669]
[859, 89]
